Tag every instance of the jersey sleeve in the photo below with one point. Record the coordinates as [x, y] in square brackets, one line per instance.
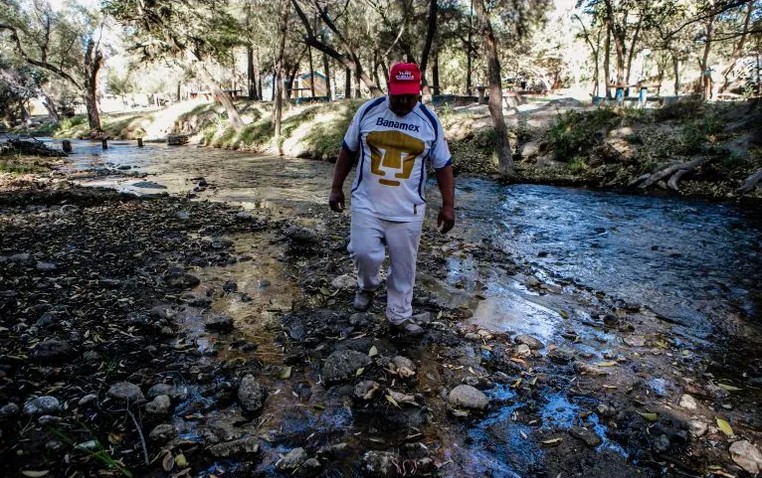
[440, 151]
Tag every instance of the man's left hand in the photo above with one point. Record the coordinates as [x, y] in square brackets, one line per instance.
[446, 218]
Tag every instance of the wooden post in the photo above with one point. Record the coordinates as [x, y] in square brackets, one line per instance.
[140, 142]
[66, 146]
[104, 143]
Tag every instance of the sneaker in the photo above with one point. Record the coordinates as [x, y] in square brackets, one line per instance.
[407, 328]
[363, 300]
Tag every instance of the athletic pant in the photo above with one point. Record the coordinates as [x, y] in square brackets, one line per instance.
[369, 236]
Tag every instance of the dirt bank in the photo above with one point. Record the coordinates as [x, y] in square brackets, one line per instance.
[168, 336]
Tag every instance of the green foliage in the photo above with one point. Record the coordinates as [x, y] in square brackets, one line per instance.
[476, 153]
[685, 108]
[698, 133]
[575, 132]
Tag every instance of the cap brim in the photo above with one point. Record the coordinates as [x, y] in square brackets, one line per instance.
[404, 88]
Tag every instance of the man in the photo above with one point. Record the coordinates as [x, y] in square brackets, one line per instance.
[392, 137]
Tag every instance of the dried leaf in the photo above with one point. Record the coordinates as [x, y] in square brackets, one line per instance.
[725, 427]
[168, 462]
[650, 416]
[35, 474]
[391, 400]
[552, 442]
[729, 388]
[181, 461]
[610, 363]
[563, 314]
[373, 351]
[517, 383]
[359, 371]
[285, 372]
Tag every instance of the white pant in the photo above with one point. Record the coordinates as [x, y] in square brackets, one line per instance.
[368, 237]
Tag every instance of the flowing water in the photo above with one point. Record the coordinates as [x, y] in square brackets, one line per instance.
[696, 263]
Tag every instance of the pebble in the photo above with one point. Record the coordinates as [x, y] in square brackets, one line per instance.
[380, 464]
[343, 364]
[251, 395]
[9, 410]
[162, 433]
[242, 446]
[747, 456]
[588, 436]
[293, 459]
[159, 405]
[44, 405]
[531, 342]
[87, 399]
[46, 267]
[661, 444]
[344, 282]
[688, 402]
[220, 323]
[523, 350]
[697, 428]
[52, 351]
[160, 389]
[126, 391]
[468, 397]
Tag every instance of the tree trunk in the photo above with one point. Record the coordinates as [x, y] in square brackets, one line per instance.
[93, 63]
[327, 72]
[631, 51]
[251, 79]
[278, 84]
[505, 158]
[607, 61]
[312, 72]
[676, 71]
[469, 49]
[431, 31]
[50, 105]
[706, 75]
[435, 71]
[347, 83]
[619, 37]
[736, 50]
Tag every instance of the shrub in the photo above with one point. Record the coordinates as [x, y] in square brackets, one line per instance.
[573, 133]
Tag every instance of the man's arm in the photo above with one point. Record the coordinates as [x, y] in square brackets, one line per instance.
[446, 183]
[340, 172]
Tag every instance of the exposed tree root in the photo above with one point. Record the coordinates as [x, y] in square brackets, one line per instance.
[750, 182]
[674, 171]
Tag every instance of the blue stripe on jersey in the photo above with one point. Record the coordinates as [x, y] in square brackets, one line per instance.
[372, 105]
[433, 121]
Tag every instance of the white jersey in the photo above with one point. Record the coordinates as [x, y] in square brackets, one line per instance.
[393, 150]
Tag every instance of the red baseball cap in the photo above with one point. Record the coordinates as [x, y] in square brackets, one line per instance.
[405, 79]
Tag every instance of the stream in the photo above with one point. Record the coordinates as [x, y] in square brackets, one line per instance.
[695, 264]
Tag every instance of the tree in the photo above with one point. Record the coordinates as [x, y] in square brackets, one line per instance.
[66, 43]
[505, 158]
[193, 32]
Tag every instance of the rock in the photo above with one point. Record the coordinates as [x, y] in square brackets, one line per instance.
[162, 433]
[126, 391]
[87, 399]
[362, 318]
[661, 444]
[22, 257]
[588, 436]
[44, 405]
[587, 369]
[251, 395]
[160, 389]
[560, 356]
[466, 396]
[9, 410]
[422, 319]
[242, 446]
[177, 278]
[529, 341]
[345, 282]
[697, 428]
[220, 323]
[747, 456]
[635, 341]
[367, 390]
[380, 464]
[343, 364]
[159, 405]
[53, 351]
[333, 451]
[301, 235]
[311, 467]
[530, 150]
[292, 460]
[46, 267]
[688, 402]
[403, 366]
[522, 350]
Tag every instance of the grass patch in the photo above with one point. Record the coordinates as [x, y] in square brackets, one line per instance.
[574, 133]
[476, 153]
[701, 132]
[16, 164]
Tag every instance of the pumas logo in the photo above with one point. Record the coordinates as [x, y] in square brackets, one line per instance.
[404, 75]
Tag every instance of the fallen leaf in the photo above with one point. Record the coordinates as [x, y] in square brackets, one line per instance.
[359, 371]
[285, 372]
[729, 388]
[607, 364]
[168, 462]
[373, 351]
[650, 416]
[563, 314]
[181, 461]
[725, 427]
[551, 442]
[35, 474]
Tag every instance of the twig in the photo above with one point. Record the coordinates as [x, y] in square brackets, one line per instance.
[140, 432]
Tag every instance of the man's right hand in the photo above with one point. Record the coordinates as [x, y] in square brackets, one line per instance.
[336, 200]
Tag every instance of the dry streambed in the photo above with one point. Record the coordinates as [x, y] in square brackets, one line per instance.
[169, 337]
